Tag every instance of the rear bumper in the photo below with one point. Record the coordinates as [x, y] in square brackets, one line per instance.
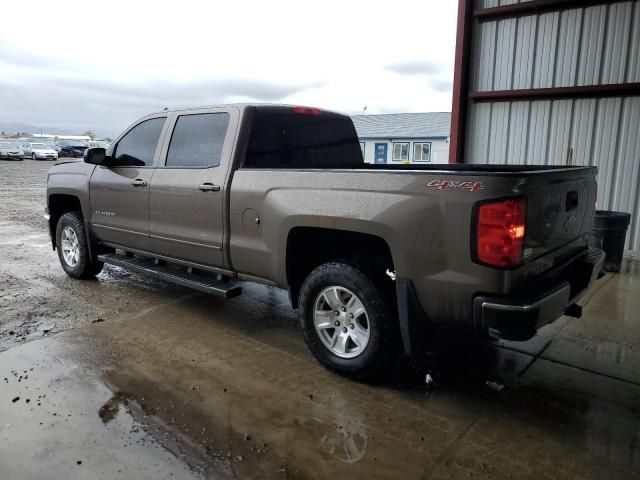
[518, 317]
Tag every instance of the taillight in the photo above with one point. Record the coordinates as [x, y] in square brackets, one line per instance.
[500, 232]
[307, 110]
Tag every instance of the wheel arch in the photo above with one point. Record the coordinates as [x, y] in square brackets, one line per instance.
[309, 247]
[59, 204]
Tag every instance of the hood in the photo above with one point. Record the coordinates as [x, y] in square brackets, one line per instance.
[44, 150]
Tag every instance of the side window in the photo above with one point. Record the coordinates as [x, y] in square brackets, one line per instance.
[422, 152]
[400, 152]
[197, 140]
[138, 146]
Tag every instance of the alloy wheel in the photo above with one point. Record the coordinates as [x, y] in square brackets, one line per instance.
[341, 322]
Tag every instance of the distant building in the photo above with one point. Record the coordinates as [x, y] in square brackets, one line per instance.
[61, 137]
[404, 137]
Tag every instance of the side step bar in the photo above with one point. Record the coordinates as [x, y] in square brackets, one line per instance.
[219, 286]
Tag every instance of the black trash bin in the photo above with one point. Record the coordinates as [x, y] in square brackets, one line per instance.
[609, 233]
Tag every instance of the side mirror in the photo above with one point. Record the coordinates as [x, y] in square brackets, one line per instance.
[95, 156]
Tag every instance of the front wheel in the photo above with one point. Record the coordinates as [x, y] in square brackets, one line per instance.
[33, 156]
[73, 249]
[347, 323]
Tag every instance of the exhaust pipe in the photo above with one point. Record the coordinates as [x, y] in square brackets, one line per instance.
[573, 310]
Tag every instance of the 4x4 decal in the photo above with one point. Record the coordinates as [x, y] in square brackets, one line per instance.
[464, 184]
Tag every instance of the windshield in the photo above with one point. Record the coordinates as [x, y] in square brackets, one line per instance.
[76, 143]
[39, 146]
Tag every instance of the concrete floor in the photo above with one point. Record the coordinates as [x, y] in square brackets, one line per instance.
[124, 377]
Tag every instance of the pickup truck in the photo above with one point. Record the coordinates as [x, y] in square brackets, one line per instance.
[373, 256]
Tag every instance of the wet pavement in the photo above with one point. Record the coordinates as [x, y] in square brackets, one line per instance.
[125, 377]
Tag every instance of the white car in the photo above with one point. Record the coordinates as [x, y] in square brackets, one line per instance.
[39, 151]
[10, 150]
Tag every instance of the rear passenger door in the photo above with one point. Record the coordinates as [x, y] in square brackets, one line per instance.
[187, 199]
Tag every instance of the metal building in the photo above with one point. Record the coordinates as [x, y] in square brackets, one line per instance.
[552, 82]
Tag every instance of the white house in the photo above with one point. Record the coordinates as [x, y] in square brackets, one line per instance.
[404, 137]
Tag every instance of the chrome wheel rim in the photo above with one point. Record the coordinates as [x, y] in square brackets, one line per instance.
[70, 247]
[341, 322]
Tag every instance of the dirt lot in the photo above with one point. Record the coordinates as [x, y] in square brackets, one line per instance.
[125, 377]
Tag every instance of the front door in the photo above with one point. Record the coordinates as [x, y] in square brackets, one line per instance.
[120, 193]
[187, 196]
[380, 153]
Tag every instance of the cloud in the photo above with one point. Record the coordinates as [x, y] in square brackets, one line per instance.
[177, 92]
[111, 105]
[415, 67]
[441, 84]
[13, 55]
[111, 68]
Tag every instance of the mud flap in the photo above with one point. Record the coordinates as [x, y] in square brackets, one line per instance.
[414, 324]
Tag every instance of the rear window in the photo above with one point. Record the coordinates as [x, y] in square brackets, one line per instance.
[284, 138]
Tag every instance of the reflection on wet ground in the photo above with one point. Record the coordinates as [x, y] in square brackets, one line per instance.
[138, 379]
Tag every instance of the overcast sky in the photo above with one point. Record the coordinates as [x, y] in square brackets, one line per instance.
[101, 65]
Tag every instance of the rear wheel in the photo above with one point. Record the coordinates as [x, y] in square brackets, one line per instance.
[73, 248]
[346, 321]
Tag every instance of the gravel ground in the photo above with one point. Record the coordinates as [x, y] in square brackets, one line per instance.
[126, 377]
[36, 297]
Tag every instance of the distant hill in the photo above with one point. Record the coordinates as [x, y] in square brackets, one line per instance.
[10, 128]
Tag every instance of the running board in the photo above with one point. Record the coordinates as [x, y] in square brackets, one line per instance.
[220, 286]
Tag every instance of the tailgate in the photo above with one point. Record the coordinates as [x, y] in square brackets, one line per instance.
[560, 208]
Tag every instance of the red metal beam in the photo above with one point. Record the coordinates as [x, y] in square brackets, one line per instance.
[535, 7]
[460, 82]
[558, 93]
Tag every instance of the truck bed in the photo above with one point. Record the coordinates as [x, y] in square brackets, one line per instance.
[452, 168]
[460, 168]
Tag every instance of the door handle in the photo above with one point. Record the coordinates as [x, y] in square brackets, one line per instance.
[209, 187]
[138, 182]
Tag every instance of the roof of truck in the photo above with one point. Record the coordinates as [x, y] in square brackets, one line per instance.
[242, 106]
[403, 125]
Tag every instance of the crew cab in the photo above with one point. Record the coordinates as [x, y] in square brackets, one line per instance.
[373, 256]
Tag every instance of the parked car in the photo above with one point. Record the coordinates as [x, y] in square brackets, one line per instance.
[54, 146]
[10, 150]
[98, 144]
[72, 148]
[373, 256]
[39, 151]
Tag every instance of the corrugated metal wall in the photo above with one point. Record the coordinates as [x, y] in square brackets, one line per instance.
[584, 46]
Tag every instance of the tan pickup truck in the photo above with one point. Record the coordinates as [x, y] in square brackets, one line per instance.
[373, 256]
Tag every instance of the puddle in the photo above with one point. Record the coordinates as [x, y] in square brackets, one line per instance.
[49, 427]
[200, 460]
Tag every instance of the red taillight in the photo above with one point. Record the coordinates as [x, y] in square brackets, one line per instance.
[500, 232]
[308, 110]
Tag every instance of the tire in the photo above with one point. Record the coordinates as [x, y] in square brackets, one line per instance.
[33, 156]
[329, 288]
[75, 260]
